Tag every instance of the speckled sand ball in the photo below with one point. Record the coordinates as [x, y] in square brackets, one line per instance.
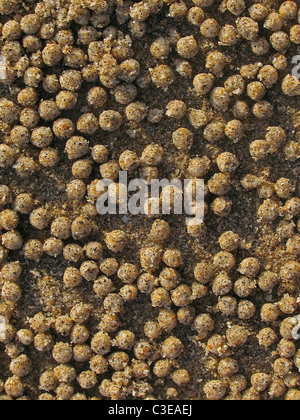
[214, 390]
[162, 76]
[203, 83]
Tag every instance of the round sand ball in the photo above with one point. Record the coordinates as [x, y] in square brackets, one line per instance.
[43, 342]
[214, 131]
[288, 10]
[187, 47]
[80, 313]
[160, 298]
[219, 184]
[62, 353]
[76, 190]
[87, 124]
[152, 330]
[29, 118]
[48, 110]
[162, 368]
[176, 109]
[63, 325]
[216, 62]
[260, 46]
[129, 161]
[128, 273]
[33, 76]
[250, 267]
[94, 250]
[125, 93]
[109, 266]
[268, 211]
[72, 277]
[28, 97]
[220, 99]
[286, 349]
[267, 281]
[7, 156]
[116, 240]
[290, 86]
[82, 169]
[227, 162]
[280, 41]
[98, 365]
[224, 261]
[237, 336]
[248, 28]
[73, 253]
[110, 120]
[204, 272]
[77, 147]
[87, 379]
[52, 54]
[203, 83]
[66, 100]
[70, 80]
[64, 374]
[9, 219]
[63, 128]
[99, 153]
[222, 285]
[183, 139]
[101, 343]
[152, 155]
[160, 48]
[246, 310]
[51, 83]
[11, 271]
[172, 348]
[244, 286]
[229, 241]
[268, 75]
[103, 286]
[235, 85]
[184, 68]
[113, 303]
[11, 30]
[128, 292]
[110, 170]
[284, 188]
[228, 367]
[14, 387]
[96, 97]
[146, 283]
[61, 228]
[81, 228]
[210, 28]
[20, 136]
[267, 337]
[181, 296]
[236, 7]
[41, 137]
[11, 292]
[222, 206]
[162, 76]
[136, 111]
[260, 381]
[215, 390]
[181, 377]
[12, 240]
[199, 167]
[150, 258]
[173, 258]
[79, 334]
[229, 36]
[25, 337]
[89, 270]
[269, 313]
[258, 12]
[53, 247]
[295, 34]
[33, 250]
[30, 24]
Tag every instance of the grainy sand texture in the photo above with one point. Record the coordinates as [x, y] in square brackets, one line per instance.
[143, 307]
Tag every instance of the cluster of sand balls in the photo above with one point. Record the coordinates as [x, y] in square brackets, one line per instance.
[200, 89]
